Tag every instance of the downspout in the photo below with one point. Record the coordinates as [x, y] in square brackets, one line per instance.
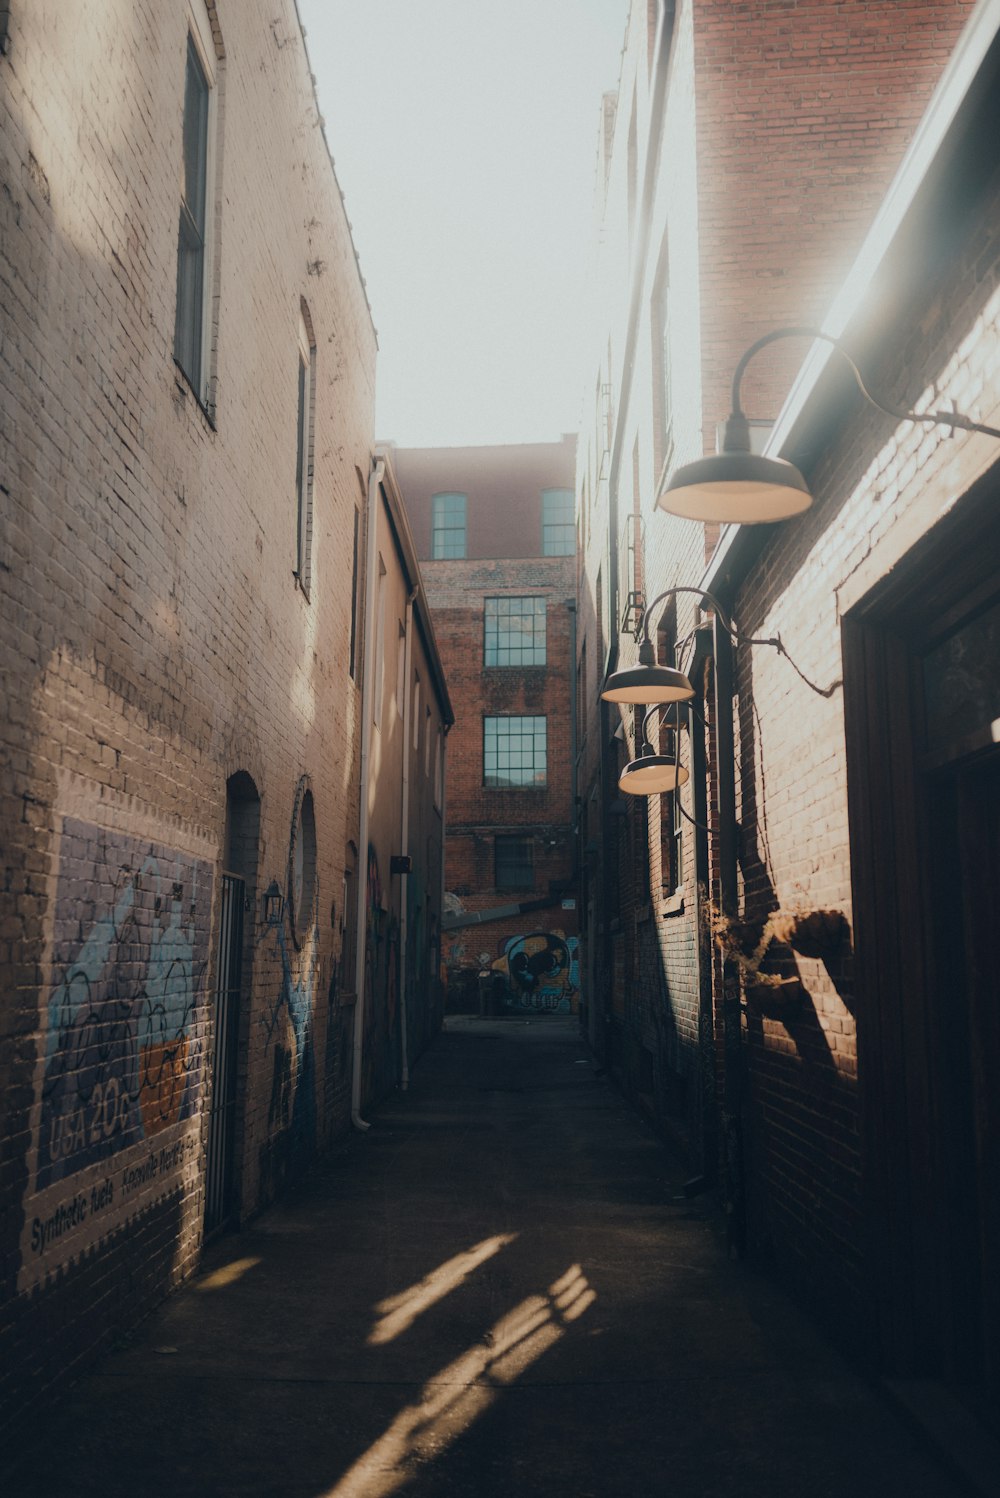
[702, 663]
[368, 679]
[606, 712]
[573, 746]
[444, 846]
[734, 1187]
[404, 839]
[664, 35]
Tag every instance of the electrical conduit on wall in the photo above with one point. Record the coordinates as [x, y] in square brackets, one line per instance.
[404, 840]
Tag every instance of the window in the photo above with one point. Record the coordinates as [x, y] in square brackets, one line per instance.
[632, 174]
[582, 684]
[401, 673]
[193, 247]
[671, 843]
[448, 526]
[514, 862]
[663, 417]
[514, 632]
[558, 524]
[416, 713]
[439, 770]
[514, 752]
[304, 453]
[379, 646]
[354, 601]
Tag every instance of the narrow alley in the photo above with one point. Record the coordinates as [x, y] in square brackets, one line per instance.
[500, 1288]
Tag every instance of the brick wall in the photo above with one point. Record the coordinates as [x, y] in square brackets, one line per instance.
[503, 486]
[881, 489]
[155, 642]
[782, 125]
[804, 110]
[504, 542]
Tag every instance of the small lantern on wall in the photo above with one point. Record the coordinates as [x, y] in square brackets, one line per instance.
[274, 905]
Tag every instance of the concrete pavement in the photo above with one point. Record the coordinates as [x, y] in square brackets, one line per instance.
[498, 1290]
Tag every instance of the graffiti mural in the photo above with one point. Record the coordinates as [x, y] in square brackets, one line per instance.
[122, 1021]
[541, 971]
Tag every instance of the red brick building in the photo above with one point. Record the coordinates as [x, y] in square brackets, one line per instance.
[746, 162]
[494, 529]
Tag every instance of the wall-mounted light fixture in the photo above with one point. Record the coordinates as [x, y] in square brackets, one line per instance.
[740, 487]
[654, 771]
[274, 905]
[649, 683]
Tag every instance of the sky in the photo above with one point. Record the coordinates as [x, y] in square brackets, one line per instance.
[464, 134]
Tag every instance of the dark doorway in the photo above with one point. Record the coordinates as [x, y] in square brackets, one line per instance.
[922, 699]
[234, 958]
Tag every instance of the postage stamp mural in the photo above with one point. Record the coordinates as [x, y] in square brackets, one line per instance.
[122, 1031]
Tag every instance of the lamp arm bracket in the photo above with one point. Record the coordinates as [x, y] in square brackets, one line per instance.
[952, 419]
[702, 593]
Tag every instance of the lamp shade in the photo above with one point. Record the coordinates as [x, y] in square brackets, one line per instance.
[647, 684]
[736, 488]
[651, 773]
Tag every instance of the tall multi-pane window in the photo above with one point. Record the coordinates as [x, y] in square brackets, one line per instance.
[379, 645]
[663, 424]
[514, 632]
[354, 599]
[514, 751]
[514, 862]
[558, 523]
[304, 454]
[448, 526]
[192, 238]
[671, 843]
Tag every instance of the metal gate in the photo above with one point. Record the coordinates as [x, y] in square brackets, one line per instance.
[222, 1114]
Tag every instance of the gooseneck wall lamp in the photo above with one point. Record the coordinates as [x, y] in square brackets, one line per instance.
[655, 771]
[649, 683]
[740, 487]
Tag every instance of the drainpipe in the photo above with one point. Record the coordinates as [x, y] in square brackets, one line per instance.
[702, 662]
[664, 35]
[734, 1186]
[573, 746]
[404, 837]
[607, 713]
[444, 849]
[367, 688]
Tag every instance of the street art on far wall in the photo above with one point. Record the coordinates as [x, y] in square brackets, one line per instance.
[119, 1071]
[541, 971]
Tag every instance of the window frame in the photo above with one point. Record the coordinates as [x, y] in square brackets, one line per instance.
[663, 406]
[526, 845]
[380, 627]
[565, 526]
[305, 455]
[353, 656]
[201, 48]
[498, 613]
[443, 525]
[538, 732]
